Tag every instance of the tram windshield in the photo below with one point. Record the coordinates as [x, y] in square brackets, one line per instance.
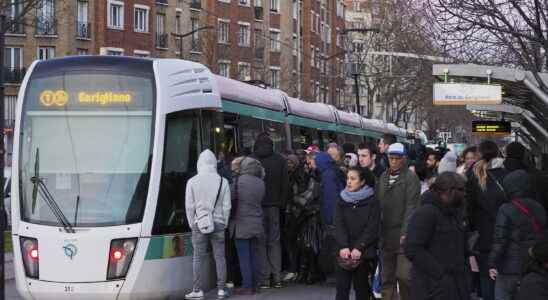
[87, 136]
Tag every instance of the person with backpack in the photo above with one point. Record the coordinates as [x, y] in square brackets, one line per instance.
[246, 222]
[208, 211]
[357, 220]
[483, 198]
[520, 224]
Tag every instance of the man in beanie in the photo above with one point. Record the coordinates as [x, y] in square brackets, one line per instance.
[515, 159]
[276, 181]
[534, 285]
[398, 190]
[519, 225]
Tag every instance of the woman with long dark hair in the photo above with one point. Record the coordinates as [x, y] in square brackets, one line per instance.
[357, 218]
[484, 196]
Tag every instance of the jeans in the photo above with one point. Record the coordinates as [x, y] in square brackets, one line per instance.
[506, 287]
[269, 248]
[200, 243]
[248, 265]
[487, 285]
[358, 278]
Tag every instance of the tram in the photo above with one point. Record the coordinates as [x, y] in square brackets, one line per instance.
[104, 146]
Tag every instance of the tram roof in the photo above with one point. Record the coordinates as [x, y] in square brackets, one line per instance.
[312, 110]
[352, 119]
[249, 94]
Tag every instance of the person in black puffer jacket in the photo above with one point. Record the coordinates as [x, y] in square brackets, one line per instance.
[436, 242]
[534, 285]
[356, 221]
[520, 224]
[484, 195]
[277, 185]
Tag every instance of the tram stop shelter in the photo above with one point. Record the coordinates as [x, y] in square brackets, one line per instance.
[524, 103]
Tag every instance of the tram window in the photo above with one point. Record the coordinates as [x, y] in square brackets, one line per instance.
[302, 137]
[212, 131]
[249, 130]
[277, 134]
[180, 158]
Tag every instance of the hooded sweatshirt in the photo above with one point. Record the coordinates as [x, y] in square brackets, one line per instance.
[332, 182]
[276, 175]
[201, 191]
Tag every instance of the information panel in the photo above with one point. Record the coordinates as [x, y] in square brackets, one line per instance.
[500, 128]
[467, 93]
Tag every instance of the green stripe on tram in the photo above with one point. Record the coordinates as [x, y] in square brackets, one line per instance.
[169, 246]
[311, 123]
[253, 111]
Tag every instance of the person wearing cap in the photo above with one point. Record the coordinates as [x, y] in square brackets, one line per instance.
[398, 191]
[534, 285]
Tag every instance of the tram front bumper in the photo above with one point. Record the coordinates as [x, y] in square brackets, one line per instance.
[38, 289]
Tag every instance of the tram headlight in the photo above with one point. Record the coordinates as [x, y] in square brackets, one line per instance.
[120, 256]
[30, 255]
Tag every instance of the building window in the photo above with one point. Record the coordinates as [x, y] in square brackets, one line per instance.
[243, 35]
[295, 9]
[295, 45]
[274, 41]
[224, 31]
[46, 53]
[244, 2]
[82, 52]
[141, 18]
[275, 77]
[244, 71]
[224, 68]
[13, 58]
[45, 18]
[274, 6]
[312, 21]
[141, 53]
[114, 52]
[312, 56]
[115, 14]
[83, 29]
[195, 37]
[161, 35]
[178, 24]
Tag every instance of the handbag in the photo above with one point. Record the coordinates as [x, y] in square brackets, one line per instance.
[348, 264]
[204, 221]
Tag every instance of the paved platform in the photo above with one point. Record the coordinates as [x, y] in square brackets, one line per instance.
[302, 292]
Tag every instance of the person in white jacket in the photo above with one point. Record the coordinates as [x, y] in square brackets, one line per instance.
[202, 191]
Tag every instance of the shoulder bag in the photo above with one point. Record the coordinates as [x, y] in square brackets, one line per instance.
[205, 221]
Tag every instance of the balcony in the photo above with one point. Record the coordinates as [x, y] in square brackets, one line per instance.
[46, 26]
[195, 45]
[161, 40]
[16, 26]
[14, 75]
[258, 13]
[83, 30]
[196, 4]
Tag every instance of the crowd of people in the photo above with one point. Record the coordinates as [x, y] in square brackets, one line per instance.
[387, 219]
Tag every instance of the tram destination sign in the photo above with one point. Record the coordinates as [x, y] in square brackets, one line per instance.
[467, 93]
[498, 128]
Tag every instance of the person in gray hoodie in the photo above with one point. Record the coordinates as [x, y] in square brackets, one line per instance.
[208, 192]
[246, 222]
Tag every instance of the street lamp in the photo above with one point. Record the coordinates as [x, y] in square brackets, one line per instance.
[181, 36]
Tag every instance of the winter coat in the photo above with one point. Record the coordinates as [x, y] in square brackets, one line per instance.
[378, 170]
[534, 285]
[333, 182]
[398, 203]
[201, 191]
[436, 245]
[483, 205]
[357, 225]
[276, 175]
[539, 181]
[247, 220]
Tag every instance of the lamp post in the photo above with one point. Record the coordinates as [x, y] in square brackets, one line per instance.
[181, 36]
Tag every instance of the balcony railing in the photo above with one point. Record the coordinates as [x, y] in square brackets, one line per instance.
[196, 4]
[258, 13]
[14, 75]
[161, 40]
[83, 30]
[195, 45]
[46, 26]
[16, 26]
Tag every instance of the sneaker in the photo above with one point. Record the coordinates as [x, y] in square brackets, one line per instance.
[195, 295]
[222, 294]
[290, 277]
[229, 285]
[278, 285]
[264, 285]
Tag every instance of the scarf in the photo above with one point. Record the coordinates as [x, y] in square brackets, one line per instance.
[355, 197]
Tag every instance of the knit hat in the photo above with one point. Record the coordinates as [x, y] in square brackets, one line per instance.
[396, 149]
[448, 163]
[515, 150]
[293, 158]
